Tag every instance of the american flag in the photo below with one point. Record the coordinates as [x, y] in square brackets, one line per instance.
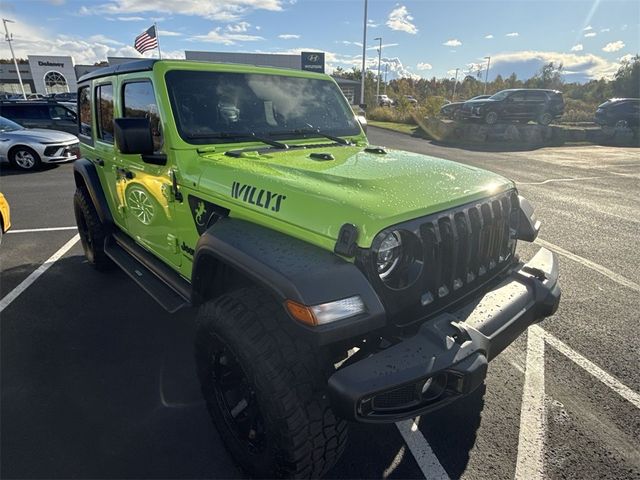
[147, 40]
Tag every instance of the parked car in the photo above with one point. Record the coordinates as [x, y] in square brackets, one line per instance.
[411, 99]
[619, 113]
[65, 97]
[384, 101]
[46, 114]
[5, 216]
[267, 211]
[452, 109]
[29, 148]
[521, 104]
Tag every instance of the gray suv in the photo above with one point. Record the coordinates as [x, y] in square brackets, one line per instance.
[41, 114]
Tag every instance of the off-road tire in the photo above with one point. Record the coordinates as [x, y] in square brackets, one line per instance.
[92, 231]
[491, 118]
[18, 158]
[287, 377]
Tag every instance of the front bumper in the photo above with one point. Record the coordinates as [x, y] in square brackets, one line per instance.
[448, 357]
[61, 153]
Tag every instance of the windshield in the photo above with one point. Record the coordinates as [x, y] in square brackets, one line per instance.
[9, 126]
[500, 95]
[208, 105]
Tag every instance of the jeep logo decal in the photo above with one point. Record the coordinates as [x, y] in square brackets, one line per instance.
[258, 197]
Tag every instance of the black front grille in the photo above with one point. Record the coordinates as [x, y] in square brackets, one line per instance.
[460, 249]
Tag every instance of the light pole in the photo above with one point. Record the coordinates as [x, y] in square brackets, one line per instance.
[455, 84]
[486, 76]
[379, 59]
[386, 70]
[9, 38]
[364, 52]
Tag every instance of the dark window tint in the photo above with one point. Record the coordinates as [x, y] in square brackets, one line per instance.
[26, 112]
[58, 112]
[517, 97]
[536, 96]
[139, 101]
[84, 109]
[104, 114]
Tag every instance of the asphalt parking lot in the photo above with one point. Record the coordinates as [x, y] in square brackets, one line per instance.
[98, 382]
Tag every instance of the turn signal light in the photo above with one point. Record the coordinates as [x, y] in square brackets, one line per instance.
[326, 312]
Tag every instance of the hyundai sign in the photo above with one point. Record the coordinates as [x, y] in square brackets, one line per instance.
[313, 61]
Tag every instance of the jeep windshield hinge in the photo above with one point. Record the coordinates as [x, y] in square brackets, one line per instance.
[177, 194]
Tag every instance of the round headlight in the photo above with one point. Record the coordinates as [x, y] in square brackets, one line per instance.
[389, 254]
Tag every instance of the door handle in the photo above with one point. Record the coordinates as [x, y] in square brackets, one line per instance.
[99, 161]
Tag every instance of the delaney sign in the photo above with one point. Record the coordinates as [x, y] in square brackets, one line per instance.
[313, 61]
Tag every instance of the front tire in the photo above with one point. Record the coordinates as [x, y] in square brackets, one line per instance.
[91, 229]
[265, 388]
[491, 118]
[25, 158]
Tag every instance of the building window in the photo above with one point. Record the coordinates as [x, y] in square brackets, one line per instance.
[350, 93]
[54, 82]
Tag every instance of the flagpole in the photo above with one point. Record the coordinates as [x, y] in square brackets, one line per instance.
[158, 40]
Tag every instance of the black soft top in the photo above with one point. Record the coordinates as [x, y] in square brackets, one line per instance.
[129, 67]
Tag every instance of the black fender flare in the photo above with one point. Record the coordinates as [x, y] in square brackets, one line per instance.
[86, 176]
[291, 269]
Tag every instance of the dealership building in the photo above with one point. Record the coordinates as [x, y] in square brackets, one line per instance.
[47, 74]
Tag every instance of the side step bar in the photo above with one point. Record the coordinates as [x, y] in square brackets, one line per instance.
[164, 285]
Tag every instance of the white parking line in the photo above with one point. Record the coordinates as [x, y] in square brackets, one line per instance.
[606, 378]
[419, 447]
[530, 460]
[592, 265]
[35, 230]
[552, 180]
[13, 294]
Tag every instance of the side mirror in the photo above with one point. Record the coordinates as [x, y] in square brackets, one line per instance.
[133, 136]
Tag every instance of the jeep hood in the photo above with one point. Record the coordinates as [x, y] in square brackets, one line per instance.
[372, 191]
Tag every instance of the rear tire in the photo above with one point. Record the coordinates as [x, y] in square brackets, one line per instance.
[545, 119]
[278, 423]
[24, 158]
[491, 118]
[91, 230]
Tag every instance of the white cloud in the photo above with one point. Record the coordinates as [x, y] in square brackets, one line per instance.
[424, 66]
[626, 58]
[624, 27]
[169, 33]
[604, 30]
[400, 20]
[105, 40]
[587, 28]
[488, 36]
[226, 11]
[226, 38]
[613, 46]
[347, 42]
[384, 45]
[454, 42]
[590, 34]
[288, 36]
[372, 24]
[577, 67]
[512, 34]
[577, 48]
[240, 27]
[126, 19]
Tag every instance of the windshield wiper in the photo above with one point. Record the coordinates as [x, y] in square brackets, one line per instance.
[240, 135]
[313, 130]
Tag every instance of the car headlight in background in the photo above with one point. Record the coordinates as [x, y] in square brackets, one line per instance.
[388, 254]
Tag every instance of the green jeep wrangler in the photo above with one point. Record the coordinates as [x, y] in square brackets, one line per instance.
[335, 281]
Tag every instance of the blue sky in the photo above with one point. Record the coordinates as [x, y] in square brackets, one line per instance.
[420, 38]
